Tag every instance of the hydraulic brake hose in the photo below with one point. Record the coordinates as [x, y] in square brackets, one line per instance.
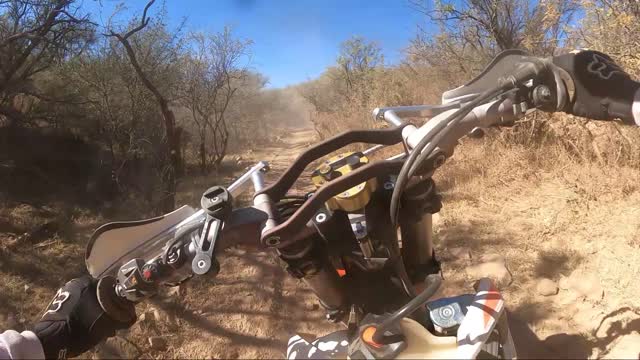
[435, 140]
[403, 176]
[433, 284]
[523, 72]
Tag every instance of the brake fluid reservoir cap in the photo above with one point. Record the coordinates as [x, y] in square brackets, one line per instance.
[354, 198]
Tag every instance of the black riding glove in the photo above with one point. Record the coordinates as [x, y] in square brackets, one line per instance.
[603, 90]
[74, 321]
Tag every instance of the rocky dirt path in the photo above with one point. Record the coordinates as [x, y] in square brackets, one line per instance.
[567, 264]
[563, 245]
[253, 306]
[566, 256]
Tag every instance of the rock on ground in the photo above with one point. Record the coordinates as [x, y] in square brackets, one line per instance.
[626, 347]
[158, 343]
[492, 266]
[11, 321]
[546, 287]
[117, 348]
[460, 253]
[583, 284]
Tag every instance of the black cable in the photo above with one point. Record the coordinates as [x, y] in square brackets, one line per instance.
[403, 175]
[434, 143]
[525, 71]
[295, 197]
[408, 167]
[433, 283]
[289, 205]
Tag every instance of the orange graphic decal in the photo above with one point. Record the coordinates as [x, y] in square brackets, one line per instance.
[493, 299]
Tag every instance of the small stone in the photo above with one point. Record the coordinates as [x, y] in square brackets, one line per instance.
[117, 348]
[547, 287]
[495, 269]
[158, 343]
[149, 317]
[493, 257]
[177, 291]
[460, 253]
[26, 288]
[586, 285]
[11, 320]
[157, 315]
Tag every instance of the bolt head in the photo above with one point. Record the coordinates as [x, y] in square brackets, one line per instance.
[439, 161]
[273, 240]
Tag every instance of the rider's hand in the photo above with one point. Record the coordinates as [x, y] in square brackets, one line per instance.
[603, 90]
[74, 322]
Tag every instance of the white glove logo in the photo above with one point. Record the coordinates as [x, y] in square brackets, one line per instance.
[56, 303]
[603, 67]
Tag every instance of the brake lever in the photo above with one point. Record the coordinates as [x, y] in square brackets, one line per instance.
[203, 261]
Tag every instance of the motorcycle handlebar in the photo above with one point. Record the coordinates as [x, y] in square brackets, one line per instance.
[245, 226]
[497, 112]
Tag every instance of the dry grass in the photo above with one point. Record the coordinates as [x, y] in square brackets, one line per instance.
[549, 213]
[532, 199]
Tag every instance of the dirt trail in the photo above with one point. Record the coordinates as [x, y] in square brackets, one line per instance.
[575, 230]
[545, 228]
[252, 308]
[584, 242]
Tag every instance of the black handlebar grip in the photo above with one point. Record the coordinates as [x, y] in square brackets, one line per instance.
[603, 90]
[117, 307]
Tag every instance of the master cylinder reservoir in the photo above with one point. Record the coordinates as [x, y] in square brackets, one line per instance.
[354, 198]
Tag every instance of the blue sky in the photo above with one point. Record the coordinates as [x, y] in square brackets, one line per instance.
[293, 40]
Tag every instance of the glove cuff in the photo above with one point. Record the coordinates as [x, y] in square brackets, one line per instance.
[24, 345]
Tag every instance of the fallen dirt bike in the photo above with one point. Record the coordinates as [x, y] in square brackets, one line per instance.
[361, 241]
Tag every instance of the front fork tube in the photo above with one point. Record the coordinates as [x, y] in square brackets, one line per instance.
[309, 264]
[508, 347]
[326, 284]
[420, 202]
[417, 241]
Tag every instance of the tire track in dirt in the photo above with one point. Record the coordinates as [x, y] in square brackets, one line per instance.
[253, 306]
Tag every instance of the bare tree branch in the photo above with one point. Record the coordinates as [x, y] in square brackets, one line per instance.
[169, 118]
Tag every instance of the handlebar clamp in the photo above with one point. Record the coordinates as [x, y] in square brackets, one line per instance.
[216, 202]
